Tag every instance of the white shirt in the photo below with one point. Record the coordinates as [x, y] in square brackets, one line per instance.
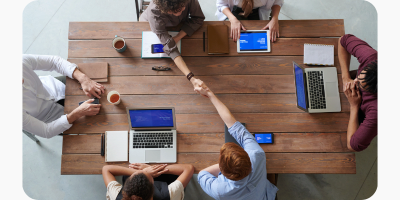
[176, 190]
[42, 116]
[263, 5]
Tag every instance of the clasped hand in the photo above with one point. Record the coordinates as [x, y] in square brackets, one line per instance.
[352, 93]
[154, 170]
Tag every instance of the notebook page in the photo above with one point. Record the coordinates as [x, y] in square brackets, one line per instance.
[318, 54]
[116, 146]
[149, 38]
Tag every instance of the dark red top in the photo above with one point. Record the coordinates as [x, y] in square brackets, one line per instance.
[367, 130]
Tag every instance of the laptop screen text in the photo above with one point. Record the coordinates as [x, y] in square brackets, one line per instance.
[151, 118]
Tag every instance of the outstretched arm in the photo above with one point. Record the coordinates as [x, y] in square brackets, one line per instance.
[223, 111]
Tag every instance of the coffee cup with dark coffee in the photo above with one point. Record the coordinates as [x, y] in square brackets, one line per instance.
[119, 44]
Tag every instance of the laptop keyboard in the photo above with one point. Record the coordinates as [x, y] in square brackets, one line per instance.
[152, 140]
[316, 90]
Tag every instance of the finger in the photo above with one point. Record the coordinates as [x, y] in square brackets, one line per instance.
[243, 27]
[162, 172]
[278, 32]
[238, 34]
[94, 93]
[274, 36]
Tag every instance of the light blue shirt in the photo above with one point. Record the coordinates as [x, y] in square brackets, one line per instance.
[255, 186]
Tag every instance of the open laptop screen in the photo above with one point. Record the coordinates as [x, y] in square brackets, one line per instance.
[300, 90]
[253, 41]
[151, 118]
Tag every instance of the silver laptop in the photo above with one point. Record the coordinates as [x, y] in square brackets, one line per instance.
[317, 89]
[152, 135]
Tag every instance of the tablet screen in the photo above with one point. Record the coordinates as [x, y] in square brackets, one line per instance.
[253, 41]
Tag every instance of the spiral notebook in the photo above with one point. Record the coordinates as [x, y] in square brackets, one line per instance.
[318, 54]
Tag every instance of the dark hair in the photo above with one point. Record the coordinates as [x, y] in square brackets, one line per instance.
[166, 6]
[234, 162]
[137, 187]
[371, 77]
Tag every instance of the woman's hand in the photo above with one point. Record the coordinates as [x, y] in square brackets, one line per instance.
[352, 93]
[236, 26]
[273, 27]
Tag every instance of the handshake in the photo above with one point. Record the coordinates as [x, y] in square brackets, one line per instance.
[201, 88]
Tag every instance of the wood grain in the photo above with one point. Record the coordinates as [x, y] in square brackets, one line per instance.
[212, 123]
[186, 103]
[212, 142]
[133, 30]
[190, 47]
[251, 65]
[327, 163]
[226, 84]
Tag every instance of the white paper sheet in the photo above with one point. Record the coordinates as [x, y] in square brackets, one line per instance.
[318, 54]
[116, 146]
[149, 38]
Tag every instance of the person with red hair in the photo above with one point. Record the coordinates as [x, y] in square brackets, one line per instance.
[241, 172]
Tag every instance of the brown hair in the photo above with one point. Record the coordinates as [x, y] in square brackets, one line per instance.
[234, 162]
[170, 5]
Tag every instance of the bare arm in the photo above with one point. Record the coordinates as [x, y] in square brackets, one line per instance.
[180, 63]
[236, 26]
[213, 169]
[223, 111]
[110, 171]
[185, 172]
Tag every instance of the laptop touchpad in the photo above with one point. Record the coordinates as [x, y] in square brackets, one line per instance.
[152, 155]
[331, 89]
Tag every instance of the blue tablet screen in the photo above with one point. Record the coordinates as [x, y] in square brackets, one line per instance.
[300, 91]
[253, 41]
[151, 118]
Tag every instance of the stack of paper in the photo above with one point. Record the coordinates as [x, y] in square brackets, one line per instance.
[318, 54]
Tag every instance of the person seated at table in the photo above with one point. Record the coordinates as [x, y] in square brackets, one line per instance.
[43, 97]
[361, 89]
[168, 13]
[241, 172]
[146, 182]
[236, 10]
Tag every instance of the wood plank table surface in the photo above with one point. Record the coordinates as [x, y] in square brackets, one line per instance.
[258, 88]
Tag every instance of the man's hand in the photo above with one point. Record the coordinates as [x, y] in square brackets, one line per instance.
[236, 26]
[89, 109]
[273, 26]
[199, 84]
[91, 87]
[204, 91]
[156, 170]
[352, 93]
[138, 166]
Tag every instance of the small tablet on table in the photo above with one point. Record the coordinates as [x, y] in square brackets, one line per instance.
[254, 41]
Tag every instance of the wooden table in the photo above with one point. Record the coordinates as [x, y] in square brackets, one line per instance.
[258, 88]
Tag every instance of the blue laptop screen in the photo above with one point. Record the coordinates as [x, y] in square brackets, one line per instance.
[151, 118]
[300, 91]
[253, 41]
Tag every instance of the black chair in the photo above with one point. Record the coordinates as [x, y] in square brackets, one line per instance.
[140, 7]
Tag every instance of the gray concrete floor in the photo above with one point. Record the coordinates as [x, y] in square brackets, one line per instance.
[45, 31]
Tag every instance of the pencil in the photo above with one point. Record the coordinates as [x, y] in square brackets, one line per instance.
[102, 145]
[204, 41]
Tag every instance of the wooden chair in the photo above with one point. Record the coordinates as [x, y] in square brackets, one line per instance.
[141, 7]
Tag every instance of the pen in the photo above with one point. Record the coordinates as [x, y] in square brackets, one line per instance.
[204, 41]
[102, 145]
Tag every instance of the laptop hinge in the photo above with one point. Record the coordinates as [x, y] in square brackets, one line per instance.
[154, 130]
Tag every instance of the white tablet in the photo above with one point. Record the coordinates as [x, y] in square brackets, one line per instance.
[254, 41]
